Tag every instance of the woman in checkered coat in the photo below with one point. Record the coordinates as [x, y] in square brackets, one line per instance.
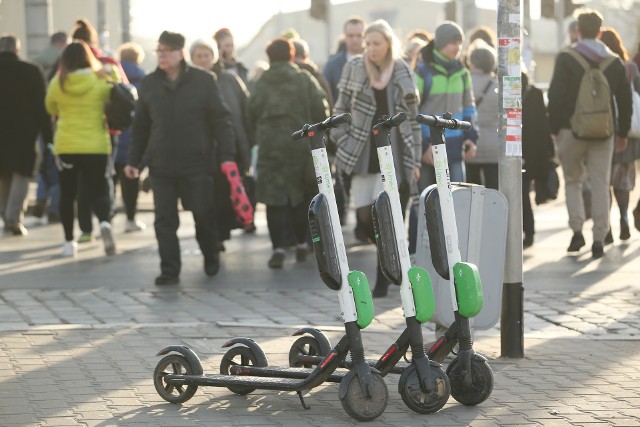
[372, 85]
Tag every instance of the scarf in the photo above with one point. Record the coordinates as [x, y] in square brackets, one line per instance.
[450, 65]
[385, 74]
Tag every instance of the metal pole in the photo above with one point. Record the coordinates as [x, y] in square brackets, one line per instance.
[39, 22]
[329, 38]
[558, 11]
[103, 32]
[510, 173]
[125, 11]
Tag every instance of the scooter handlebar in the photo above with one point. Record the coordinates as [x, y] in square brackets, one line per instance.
[329, 123]
[436, 121]
[299, 134]
[335, 121]
[391, 122]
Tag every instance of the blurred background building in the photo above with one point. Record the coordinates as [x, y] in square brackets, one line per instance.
[254, 22]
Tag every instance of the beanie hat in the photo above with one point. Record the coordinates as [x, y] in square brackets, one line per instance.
[483, 57]
[280, 49]
[172, 40]
[446, 33]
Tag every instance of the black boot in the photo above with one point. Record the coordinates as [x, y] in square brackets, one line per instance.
[382, 284]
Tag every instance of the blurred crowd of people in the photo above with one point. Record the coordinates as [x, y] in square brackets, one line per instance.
[207, 133]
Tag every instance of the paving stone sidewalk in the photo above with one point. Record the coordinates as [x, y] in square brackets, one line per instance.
[78, 338]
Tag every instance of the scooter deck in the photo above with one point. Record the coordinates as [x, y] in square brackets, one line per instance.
[283, 372]
[263, 383]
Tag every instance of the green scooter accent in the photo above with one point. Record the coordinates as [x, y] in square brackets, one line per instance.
[468, 289]
[422, 293]
[362, 297]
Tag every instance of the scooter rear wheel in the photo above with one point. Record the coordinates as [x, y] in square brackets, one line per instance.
[355, 401]
[173, 364]
[243, 356]
[482, 382]
[304, 346]
[415, 398]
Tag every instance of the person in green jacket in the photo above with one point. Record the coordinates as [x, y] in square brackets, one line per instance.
[283, 100]
[77, 95]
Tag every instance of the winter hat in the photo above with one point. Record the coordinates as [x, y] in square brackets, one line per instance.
[446, 33]
[171, 40]
[280, 49]
[483, 57]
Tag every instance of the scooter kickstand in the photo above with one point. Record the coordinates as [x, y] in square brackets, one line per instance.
[304, 405]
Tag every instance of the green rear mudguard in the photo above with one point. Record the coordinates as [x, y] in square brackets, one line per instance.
[468, 289]
[423, 297]
[362, 298]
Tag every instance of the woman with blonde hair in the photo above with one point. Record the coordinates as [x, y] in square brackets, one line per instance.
[375, 84]
[77, 95]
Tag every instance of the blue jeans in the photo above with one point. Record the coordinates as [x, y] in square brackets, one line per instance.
[48, 181]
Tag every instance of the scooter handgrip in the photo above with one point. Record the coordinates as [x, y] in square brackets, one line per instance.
[339, 120]
[299, 134]
[436, 121]
[396, 119]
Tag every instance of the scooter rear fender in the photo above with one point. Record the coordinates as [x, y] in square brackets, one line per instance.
[189, 354]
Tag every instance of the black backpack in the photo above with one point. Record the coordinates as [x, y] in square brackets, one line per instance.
[121, 106]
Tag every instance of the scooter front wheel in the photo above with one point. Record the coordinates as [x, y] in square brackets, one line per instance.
[304, 346]
[173, 364]
[481, 385]
[415, 398]
[355, 401]
[241, 356]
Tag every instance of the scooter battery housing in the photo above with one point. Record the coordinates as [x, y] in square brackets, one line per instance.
[324, 244]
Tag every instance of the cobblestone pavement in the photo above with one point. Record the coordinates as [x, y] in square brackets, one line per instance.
[78, 338]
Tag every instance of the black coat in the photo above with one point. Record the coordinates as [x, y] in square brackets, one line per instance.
[537, 145]
[184, 126]
[22, 114]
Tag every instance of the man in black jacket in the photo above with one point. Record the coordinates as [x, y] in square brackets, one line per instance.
[22, 118]
[575, 153]
[184, 127]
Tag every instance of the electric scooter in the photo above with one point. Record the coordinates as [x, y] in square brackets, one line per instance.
[363, 393]
[423, 385]
[469, 373]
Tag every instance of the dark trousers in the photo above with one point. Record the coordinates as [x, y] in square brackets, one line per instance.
[281, 220]
[528, 225]
[85, 219]
[90, 170]
[129, 189]
[196, 195]
[475, 172]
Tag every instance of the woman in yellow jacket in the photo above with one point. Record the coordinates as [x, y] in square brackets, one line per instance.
[77, 95]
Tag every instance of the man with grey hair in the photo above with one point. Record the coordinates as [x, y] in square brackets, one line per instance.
[302, 60]
[22, 118]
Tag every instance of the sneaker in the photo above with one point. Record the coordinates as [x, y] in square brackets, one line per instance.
[277, 260]
[107, 238]
[625, 233]
[577, 241]
[85, 238]
[301, 253]
[608, 239]
[134, 225]
[597, 250]
[211, 265]
[636, 218]
[165, 279]
[70, 249]
[16, 230]
[39, 208]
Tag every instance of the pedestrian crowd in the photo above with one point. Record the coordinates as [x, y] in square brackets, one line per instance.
[208, 132]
